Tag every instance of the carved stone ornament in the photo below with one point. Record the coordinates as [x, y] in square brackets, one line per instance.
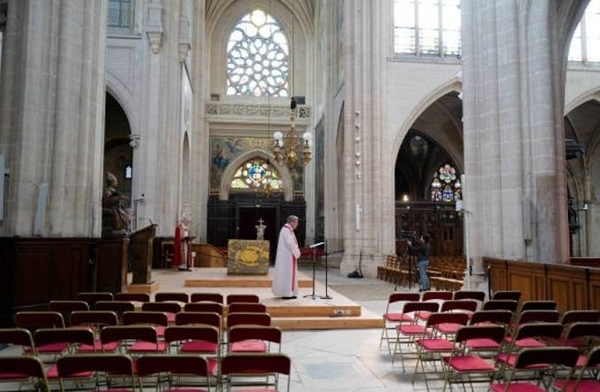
[156, 42]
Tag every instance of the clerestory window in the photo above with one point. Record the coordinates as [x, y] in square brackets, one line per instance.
[427, 27]
[585, 44]
[258, 57]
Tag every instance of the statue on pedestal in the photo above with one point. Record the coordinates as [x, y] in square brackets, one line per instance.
[116, 219]
[260, 230]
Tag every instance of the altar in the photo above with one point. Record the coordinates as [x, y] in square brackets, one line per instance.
[248, 257]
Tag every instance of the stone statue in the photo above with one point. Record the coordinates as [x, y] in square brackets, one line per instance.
[260, 230]
[116, 219]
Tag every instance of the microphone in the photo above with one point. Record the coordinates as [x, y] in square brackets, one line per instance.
[317, 244]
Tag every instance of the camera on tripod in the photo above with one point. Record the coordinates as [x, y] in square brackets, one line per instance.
[408, 235]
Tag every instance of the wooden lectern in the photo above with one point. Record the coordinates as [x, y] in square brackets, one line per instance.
[140, 251]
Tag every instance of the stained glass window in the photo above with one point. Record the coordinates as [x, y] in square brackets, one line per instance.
[258, 57]
[445, 185]
[256, 175]
[427, 27]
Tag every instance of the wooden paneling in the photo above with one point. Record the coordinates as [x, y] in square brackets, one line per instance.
[111, 265]
[572, 287]
[594, 291]
[567, 286]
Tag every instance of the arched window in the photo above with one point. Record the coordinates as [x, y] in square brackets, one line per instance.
[445, 185]
[120, 13]
[256, 175]
[427, 27]
[585, 44]
[258, 57]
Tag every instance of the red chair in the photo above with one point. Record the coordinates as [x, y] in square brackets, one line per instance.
[204, 306]
[92, 297]
[95, 320]
[246, 307]
[182, 372]
[231, 298]
[466, 359]
[17, 337]
[434, 341]
[248, 319]
[170, 308]
[203, 340]
[512, 295]
[580, 335]
[393, 315]
[93, 370]
[585, 377]
[406, 333]
[468, 306]
[34, 320]
[199, 318]
[540, 359]
[436, 296]
[466, 294]
[538, 305]
[60, 341]
[501, 304]
[158, 320]
[254, 339]
[67, 307]
[532, 335]
[119, 307]
[134, 339]
[171, 297]
[133, 297]
[238, 368]
[576, 316]
[212, 297]
[24, 370]
[491, 317]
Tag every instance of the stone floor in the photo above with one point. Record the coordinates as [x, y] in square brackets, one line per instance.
[349, 360]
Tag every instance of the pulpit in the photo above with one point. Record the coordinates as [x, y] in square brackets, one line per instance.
[248, 257]
[140, 251]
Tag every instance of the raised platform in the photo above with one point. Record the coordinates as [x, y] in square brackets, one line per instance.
[306, 312]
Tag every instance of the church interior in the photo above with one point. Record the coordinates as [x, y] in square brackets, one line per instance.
[476, 123]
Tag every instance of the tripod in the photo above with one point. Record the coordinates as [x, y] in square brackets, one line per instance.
[314, 248]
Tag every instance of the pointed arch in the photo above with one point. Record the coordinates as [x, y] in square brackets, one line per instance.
[284, 173]
[453, 85]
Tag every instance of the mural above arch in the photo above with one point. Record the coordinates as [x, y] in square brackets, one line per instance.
[229, 154]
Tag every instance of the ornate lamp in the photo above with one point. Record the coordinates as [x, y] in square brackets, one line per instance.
[288, 147]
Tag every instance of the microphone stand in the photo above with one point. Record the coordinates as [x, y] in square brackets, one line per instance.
[314, 248]
[326, 296]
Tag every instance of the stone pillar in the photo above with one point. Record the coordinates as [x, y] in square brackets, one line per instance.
[515, 187]
[52, 117]
[368, 233]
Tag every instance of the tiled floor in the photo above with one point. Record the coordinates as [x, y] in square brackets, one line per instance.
[349, 360]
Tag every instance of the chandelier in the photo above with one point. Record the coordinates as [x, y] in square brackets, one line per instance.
[289, 147]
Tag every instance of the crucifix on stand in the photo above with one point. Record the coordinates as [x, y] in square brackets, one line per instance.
[260, 230]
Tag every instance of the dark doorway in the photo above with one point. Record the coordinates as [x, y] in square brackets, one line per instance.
[248, 219]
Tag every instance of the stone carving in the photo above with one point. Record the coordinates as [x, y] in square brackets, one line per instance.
[116, 219]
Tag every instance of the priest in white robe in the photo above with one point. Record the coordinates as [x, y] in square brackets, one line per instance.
[285, 273]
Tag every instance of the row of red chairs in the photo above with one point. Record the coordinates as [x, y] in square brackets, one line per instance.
[167, 372]
[442, 333]
[92, 297]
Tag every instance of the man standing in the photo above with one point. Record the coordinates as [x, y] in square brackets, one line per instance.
[182, 246]
[285, 273]
[421, 248]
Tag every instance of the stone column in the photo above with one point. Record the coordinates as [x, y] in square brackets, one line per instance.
[368, 232]
[513, 74]
[52, 117]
